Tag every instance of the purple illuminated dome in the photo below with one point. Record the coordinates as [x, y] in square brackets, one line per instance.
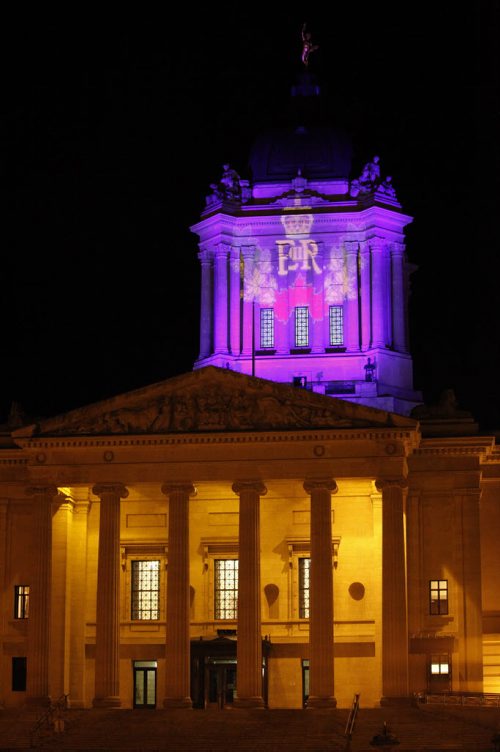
[304, 269]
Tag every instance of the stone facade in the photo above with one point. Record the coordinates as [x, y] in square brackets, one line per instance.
[216, 466]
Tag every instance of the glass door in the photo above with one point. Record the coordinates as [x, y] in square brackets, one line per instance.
[145, 684]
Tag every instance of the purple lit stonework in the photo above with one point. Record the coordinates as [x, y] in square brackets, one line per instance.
[305, 279]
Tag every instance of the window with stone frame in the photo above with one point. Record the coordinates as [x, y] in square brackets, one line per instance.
[143, 584]
[21, 601]
[218, 604]
[438, 597]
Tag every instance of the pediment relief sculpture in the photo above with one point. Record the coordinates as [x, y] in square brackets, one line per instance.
[213, 399]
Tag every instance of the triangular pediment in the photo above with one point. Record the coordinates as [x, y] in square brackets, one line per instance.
[214, 400]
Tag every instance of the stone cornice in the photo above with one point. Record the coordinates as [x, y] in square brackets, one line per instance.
[408, 438]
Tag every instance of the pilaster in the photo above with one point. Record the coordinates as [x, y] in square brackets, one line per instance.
[221, 299]
[351, 307]
[206, 311]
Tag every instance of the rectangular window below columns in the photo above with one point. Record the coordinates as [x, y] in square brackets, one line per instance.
[336, 326]
[302, 326]
[266, 328]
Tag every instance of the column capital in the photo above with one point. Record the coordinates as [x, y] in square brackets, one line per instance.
[47, 490]
[397, 249]
[320, 484]
[110, 489]
[249, 485]
[205, 257]
[185, 487]
[351, 247]
[382, 484]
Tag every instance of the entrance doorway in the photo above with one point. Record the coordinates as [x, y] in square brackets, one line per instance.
[220, 683]
[145, 684]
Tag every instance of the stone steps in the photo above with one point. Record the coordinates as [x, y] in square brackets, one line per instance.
[418, 730]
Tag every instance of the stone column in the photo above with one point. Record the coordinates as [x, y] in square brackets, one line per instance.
[379, 293]
[235, 268]
[248, 300]
[39, 628]
[206, 312]
[178, 647]
[61, 626]
[78, 555]
[321, 655]
[221, 299]
[249, 678]
[365, 276]
[398, 299]
[107, 647]
[394, 602]
[470, 628]
[351, 308]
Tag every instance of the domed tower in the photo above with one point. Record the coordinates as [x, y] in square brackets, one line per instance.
[304, 270]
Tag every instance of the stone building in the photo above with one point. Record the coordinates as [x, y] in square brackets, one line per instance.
[286, 525]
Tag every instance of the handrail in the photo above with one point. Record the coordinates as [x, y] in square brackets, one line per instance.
[460, 698]
[48, 716]
[352, 717]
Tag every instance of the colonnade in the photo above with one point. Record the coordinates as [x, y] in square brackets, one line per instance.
[374, 272]
[249, 643]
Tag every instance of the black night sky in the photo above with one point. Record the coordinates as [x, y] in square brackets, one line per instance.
[113, 129]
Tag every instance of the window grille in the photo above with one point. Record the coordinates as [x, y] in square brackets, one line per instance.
[146, 590]
[266, 327]
[304, 581]
[226, 588]
[302, 326]
[336, 326]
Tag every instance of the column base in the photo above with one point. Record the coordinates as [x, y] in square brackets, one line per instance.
[76, 704]
[404, 701]
[38, 702]
[106, 702]
[256, 703]
[178, 702]
[316, 703]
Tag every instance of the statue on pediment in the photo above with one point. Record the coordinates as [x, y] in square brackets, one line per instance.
[371, 181]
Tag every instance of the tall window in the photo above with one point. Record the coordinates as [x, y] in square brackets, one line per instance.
[302, 326]
[304, 581]
[266, 327]
[438, 596]
[146, 590]
[226, 588]
[336, 326]
[21, 601]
